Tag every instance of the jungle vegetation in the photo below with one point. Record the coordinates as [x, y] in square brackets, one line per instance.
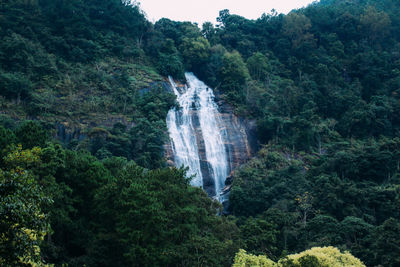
[322, 83]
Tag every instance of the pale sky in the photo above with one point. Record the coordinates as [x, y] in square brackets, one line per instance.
[208, 10]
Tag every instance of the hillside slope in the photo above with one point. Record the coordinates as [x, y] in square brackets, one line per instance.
[322, 83]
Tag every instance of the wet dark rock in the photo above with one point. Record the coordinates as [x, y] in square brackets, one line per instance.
[66, 135]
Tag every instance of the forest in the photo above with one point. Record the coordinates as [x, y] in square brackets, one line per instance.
[322, 84]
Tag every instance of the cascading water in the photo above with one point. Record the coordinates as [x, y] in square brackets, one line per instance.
[197, 99]
[182, 134]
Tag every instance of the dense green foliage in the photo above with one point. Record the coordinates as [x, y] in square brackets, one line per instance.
[344, 198]
[105, 213]
[322, 83]
[83, 64]
[317, 257]
[93, 65]
[22, 223]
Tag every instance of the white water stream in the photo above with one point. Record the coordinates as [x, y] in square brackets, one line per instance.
[197, 98]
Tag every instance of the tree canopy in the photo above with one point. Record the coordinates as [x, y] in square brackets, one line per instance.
[83, 100]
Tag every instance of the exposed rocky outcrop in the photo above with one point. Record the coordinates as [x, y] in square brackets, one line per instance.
[154, 85]
[66, 131]
[66, 135]
[80, 128]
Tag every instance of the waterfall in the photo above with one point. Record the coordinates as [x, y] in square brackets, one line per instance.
[196, 100]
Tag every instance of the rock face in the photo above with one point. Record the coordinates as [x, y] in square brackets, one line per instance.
[239, 140]
[65, 135]
[66, 132]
